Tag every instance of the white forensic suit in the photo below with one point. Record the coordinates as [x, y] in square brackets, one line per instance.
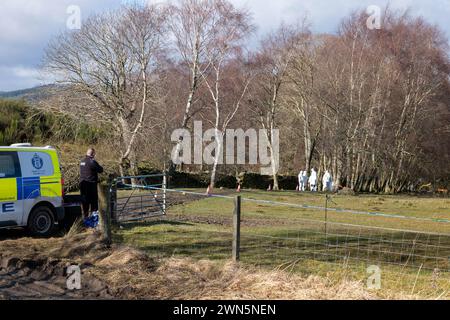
[313, 181]
[300, 181]
[305, 180]
[327, 181]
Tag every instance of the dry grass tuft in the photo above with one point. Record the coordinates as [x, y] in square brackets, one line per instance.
[204, 280]
[124, 256]
[236, 282]
[75, 229]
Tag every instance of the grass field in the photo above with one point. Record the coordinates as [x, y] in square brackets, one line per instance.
[297, 240]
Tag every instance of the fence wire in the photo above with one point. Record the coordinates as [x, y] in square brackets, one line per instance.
[205, 231]
[345, 242]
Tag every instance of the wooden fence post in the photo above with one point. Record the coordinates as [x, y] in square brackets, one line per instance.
[236, 228]
[113, 199]
[105, 212]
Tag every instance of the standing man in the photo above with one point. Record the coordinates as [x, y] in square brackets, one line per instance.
[305, 180]
[326, 181]
[313, 180]
[300, 181]
[89, 170]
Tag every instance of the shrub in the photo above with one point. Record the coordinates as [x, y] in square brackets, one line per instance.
[258, 181]
[229, 182]
[254, 181]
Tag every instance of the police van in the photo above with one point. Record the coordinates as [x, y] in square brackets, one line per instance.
[31, 188]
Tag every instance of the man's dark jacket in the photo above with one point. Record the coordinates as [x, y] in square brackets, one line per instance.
[89, 170]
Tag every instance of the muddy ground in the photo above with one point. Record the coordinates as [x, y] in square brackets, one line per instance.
[36, 268]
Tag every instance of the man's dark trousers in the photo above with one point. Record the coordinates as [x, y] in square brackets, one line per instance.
[90, 196]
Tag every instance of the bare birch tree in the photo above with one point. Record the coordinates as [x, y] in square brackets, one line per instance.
[272, 63]
[232, 27]
[193, 24]
[113, 60]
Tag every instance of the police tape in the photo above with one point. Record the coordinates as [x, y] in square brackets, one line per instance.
[294, 205]
[379, 214]
[153, 187]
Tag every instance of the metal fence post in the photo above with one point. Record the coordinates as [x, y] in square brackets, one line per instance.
[236, 228]
[164, 187]
[326, 216]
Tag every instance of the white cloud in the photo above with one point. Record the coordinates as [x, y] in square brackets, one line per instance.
[17, 77]
[326, 14]
[27, 25]
[24, 72]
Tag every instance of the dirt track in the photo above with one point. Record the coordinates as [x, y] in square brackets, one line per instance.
[36, 269]
[44, 280]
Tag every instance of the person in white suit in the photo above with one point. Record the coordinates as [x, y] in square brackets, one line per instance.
[327, 181]
[300, 181]
[305, 180]
[313, 180]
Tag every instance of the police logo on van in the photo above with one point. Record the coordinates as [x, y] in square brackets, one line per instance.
[37, 162]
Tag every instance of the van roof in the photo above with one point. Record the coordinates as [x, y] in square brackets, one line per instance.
[25, 148]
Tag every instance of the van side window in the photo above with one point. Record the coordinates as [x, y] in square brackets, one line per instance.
[8, 165]
[35, 164]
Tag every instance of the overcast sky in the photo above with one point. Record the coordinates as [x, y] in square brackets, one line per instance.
[27, 25]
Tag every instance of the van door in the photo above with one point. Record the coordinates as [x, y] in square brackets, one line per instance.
[11, 190]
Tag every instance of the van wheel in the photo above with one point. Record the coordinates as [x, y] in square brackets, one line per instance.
[41, 222]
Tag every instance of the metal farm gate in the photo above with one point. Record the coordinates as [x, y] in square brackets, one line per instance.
[138, 197]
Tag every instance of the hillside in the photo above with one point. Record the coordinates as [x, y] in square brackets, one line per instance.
[31, 94]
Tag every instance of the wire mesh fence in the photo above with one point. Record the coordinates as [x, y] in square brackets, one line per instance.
[293, 236]
[342, 236]
[338, 242]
